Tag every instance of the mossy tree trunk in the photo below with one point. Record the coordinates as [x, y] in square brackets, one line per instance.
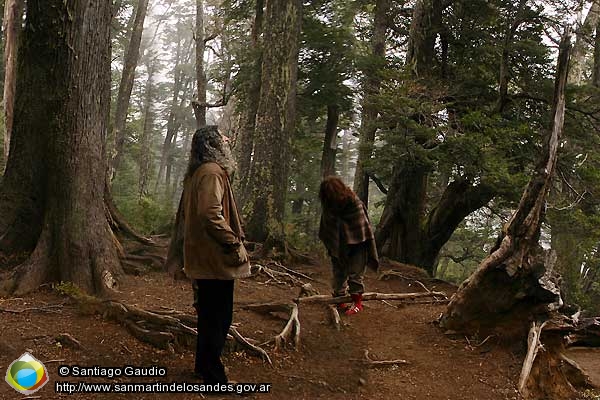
[51, 201]
[407, 232]
[268, 180]
[252, 95]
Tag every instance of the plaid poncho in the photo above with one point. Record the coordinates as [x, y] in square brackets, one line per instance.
[348, 225]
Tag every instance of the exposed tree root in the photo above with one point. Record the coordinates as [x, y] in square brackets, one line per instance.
[291, 330]
[534, 345]
[549, 373]
[257, 350]
[167, 331]
[289, 270]
[281, 278]
[117, 223]
[335, 317]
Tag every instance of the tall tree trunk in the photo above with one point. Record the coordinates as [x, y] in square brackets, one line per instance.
[329, 144]
[582, 43]
[596, 70]
[512, 283]
[146, 137]
[370, 91]
[275, 120]
[173, 122]
[57, 169]
[246, 146]
[201, 81]
[425, 25]
[126, 85]
[13, 15]
[346, 146]
[401, 233]
[171, 148]
[504, 78]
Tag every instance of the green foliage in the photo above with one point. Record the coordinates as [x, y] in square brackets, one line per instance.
[68, 289]
[146, 213]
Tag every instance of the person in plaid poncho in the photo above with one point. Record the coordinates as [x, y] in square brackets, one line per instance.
[346, 232]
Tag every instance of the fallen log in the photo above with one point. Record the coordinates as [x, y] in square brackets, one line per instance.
[328, 299]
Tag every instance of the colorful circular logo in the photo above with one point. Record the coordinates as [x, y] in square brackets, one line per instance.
[27, 374]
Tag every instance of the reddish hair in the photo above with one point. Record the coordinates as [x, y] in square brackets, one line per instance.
[334, 193]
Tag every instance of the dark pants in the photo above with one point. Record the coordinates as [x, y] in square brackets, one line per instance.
[349, 269]
[213, 300]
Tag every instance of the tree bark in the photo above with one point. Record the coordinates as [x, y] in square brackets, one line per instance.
[13, 15]
[512, 282]
[252, 97]
[371, 90]
[58, 164]
[329, 144]
[425, 25]
[275, 120]
[126, 85]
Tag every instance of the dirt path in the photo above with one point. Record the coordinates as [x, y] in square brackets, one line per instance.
[328, 364]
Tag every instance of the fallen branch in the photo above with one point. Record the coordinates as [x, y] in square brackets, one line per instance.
[327, 299]
[66, 339]
[49, 308]
[380, 363]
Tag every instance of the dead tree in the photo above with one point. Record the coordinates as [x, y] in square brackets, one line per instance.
[515, 286]
[514, 274]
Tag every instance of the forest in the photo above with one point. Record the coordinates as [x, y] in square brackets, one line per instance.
[470, 130]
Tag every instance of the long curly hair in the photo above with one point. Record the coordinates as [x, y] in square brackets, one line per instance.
[208, 145]
[334, 194]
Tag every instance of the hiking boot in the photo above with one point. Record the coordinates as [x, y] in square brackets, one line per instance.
[356, 306]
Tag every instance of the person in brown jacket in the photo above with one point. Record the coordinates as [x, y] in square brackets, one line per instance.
[213, 249]
[346, 232]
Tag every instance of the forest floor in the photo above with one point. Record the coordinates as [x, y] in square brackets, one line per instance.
[328, 363]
